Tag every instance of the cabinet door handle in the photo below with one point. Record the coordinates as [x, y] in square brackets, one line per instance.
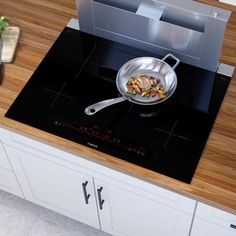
[232, 226]
[100, 200]
[86, 195]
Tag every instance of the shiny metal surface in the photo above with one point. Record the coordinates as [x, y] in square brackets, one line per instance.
[226, 70]
[141, 65]
[90, 110]
[192, 30]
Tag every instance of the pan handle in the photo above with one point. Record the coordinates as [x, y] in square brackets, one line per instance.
[91, 110]
[175, 58]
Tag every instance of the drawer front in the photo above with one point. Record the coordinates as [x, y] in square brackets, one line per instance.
[216, 216]
[9, 183]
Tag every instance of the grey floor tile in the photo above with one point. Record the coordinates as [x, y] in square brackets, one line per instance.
[22, 218]
[52, 228]
[15, 220]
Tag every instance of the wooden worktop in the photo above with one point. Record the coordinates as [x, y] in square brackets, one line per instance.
[41, 21]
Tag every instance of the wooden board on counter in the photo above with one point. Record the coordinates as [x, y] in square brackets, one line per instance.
[41, 21]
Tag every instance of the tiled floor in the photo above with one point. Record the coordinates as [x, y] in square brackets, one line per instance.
[22, 218]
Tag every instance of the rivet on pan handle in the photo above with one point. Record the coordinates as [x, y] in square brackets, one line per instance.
[175, 58]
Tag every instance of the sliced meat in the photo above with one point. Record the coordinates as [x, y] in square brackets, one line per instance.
[135, 86]
[144, 82]
[153, 81]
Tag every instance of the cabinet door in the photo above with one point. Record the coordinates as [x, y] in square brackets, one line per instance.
[126, 211]
[202, 227]
[210, 221]
[54, 184]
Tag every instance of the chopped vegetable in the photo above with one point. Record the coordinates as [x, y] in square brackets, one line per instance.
[145, 86]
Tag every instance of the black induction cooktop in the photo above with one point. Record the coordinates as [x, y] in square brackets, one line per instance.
[80, 69]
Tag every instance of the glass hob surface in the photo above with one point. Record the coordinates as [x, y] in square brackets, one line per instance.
[80, 69]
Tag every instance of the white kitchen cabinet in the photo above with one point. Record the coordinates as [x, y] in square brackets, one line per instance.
[116, 203]
[55, 185]
[125, 210]
[210, 221]
[8, 181]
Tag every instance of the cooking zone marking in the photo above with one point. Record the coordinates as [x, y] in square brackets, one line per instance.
[170, 134]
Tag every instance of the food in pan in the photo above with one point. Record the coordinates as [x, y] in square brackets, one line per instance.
[146, 86]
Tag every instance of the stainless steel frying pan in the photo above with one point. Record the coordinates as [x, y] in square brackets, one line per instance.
[141, 65]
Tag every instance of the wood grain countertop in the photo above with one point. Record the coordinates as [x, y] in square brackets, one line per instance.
[41, 21]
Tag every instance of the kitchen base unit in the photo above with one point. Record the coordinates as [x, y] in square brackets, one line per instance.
[96, 195]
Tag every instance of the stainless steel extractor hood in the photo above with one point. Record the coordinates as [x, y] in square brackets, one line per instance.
[193, 31]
